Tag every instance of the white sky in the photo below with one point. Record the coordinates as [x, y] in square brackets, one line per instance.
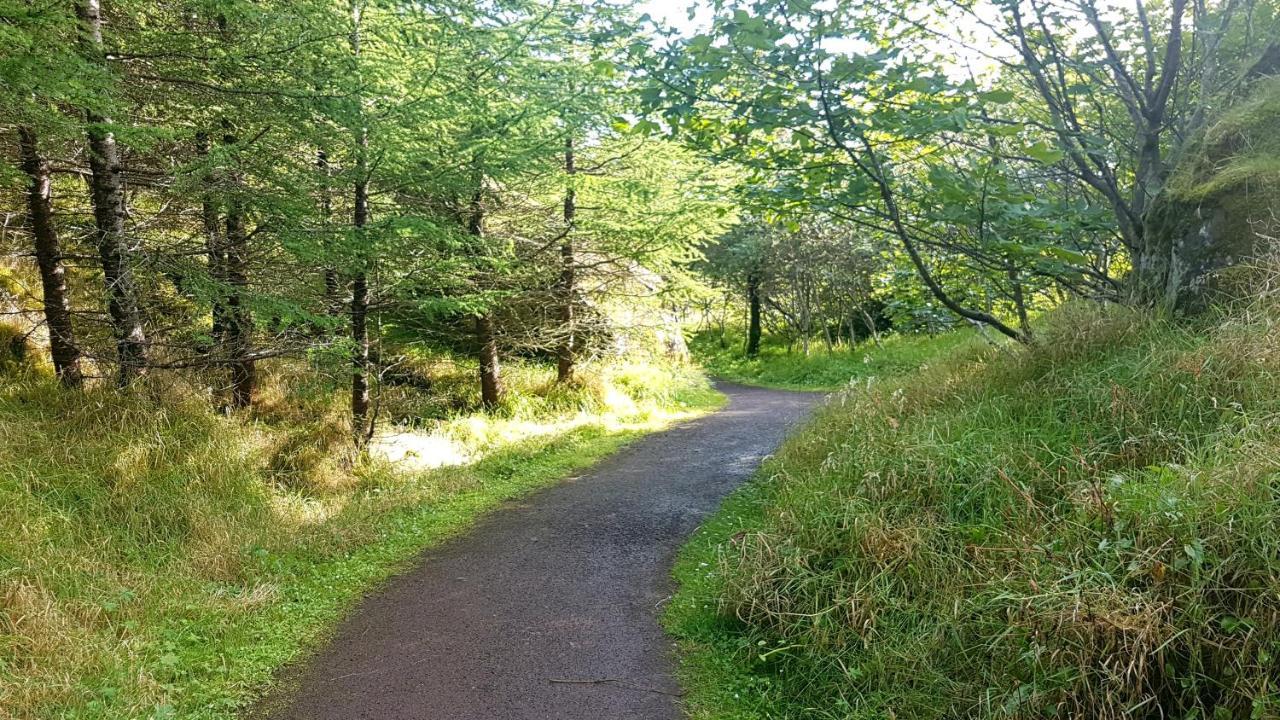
[675, 13]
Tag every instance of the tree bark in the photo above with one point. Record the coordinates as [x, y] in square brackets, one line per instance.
[1020, 303]
[486, 340]
[332, 285]
[360, 423]
[53, 281]
[239, 320]
[214, 254]
[107, 189]
[360, 357]
[565, 353]
[490, 371]
[753, 324]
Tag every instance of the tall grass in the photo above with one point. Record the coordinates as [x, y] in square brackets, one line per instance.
[783, 366]
[1085, 528]
[159, 560]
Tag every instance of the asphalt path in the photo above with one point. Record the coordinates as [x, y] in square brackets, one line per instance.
[548, 608]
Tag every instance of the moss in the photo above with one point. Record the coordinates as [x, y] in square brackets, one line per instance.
[1219, 201]
[15, 350]
[1241, 151]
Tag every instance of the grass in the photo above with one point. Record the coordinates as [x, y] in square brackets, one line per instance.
[158, 560]
[1084, 528]
[780, 366]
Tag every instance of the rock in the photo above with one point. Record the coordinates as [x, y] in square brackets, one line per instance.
[1220, 207]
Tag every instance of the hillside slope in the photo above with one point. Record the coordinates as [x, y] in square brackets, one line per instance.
[1085, 528]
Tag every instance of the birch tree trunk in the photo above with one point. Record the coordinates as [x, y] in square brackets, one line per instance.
[107, 190]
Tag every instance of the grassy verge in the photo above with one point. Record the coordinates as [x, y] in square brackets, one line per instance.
[1084, 528]
[781, 366]
[158, 560]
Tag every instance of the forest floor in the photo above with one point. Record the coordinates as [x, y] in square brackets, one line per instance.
[549, 607]
[161, 561]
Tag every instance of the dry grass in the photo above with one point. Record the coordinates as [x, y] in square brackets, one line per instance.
[159, 560]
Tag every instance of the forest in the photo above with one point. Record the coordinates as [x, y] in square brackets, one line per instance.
[294, 291]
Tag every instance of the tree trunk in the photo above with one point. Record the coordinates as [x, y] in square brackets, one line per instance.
[871, 327]
[361, 425]
[806, 321]
[239, 319]
[565, 352]
[1020, 303]
[214, 252]
[106, 185]
[239, 332]
[490, 372]
[360, 318]
[360, 357]
[753, 324]
[53, 281]
[332, 286]
[487, 353]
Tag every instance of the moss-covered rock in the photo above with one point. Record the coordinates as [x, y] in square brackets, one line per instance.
[1220, 206]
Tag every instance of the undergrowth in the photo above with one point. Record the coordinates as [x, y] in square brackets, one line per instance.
[786, 366]
[159, 560]
[1083, 528]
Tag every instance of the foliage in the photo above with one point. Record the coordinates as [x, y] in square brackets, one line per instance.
[1078, 528]
[835, 116]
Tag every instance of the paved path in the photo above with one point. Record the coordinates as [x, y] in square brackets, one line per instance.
[565, 585]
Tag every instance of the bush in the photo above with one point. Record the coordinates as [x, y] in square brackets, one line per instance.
[1085, 528]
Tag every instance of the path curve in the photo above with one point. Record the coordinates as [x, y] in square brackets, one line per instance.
[520, 618]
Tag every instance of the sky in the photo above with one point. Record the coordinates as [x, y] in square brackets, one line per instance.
[675, 14]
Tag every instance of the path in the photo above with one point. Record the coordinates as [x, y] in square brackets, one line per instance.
[565, 585]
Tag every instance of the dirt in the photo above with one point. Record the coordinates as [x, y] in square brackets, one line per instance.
[548, 608]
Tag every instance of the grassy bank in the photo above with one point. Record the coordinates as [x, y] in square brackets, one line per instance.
[782, 366]
[158, 560]
[1085, 528]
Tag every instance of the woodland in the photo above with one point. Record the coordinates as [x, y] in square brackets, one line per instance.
[290, 290]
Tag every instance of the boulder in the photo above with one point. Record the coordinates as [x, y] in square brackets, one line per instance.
[1220, 207]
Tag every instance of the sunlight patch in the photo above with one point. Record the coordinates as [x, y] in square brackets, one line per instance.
[418, 451]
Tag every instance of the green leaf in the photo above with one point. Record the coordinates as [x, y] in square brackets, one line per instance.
[1045, 153]
[996, 97]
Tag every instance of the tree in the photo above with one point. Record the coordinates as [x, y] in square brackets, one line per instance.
[43, 37]
[109, 213]
[1122, 95]
[841, 133]
[57, 310]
